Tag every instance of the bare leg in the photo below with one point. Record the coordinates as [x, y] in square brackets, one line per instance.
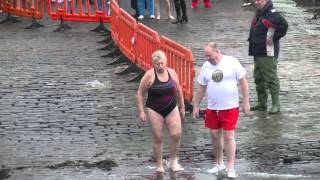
[157, 122]
[173, 122]
[169, 10]
[230, 147]
[157, 9]
[217, 142]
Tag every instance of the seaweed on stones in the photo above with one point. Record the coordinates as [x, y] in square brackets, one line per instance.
[104, 164]
[63, 164]
[4, 173]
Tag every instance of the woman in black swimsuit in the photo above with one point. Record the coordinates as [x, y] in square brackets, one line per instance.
[164, 93]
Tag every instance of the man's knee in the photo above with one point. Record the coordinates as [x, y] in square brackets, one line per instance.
[228, 136]
[216, 135]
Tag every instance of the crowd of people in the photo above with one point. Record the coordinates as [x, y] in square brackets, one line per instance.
[219, 78]
[154, 9]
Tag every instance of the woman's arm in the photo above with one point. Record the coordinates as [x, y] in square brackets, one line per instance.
[179, 93]
[178, 88]
[143, 87]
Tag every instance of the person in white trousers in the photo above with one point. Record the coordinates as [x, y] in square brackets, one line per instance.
[157, 9]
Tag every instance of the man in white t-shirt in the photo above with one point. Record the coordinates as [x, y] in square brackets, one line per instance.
[220, 76]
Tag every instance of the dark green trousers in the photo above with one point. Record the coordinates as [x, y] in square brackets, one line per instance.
[266, 79]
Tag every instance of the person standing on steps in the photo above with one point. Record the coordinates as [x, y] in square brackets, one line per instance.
[267, 27]
[207, 4]
[141, 7]
[180, 5]
[157, 9]
[134, 5]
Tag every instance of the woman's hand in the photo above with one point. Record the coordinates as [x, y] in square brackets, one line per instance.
[182, 112]
[142, 116]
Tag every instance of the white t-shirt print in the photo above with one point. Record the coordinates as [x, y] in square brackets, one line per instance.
[222, 82]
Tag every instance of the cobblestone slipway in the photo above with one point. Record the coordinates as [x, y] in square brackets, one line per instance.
[55, 126]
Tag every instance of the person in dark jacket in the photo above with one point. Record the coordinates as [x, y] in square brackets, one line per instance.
[134, 5]
[267, 27]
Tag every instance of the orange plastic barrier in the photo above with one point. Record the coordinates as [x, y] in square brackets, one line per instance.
[180, 59]
[115, 11]
[32, 8]
[78, 10]
[146, 42]
[137, 42]
[126, 30]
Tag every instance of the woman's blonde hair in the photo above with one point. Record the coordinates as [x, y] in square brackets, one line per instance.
[156, 56]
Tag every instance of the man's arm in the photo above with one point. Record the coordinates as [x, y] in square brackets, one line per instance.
[245, 94]
[196, 103]
[281, 27]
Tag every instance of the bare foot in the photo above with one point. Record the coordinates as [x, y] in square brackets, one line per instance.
[176, 167]
[160, 169]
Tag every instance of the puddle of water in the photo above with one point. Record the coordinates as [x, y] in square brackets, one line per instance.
[95, 85]
[276, 176]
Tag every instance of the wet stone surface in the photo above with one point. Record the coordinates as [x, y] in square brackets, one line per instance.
[64, 113]
[4, 173]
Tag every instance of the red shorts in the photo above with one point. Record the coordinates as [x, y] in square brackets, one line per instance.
[217, 119]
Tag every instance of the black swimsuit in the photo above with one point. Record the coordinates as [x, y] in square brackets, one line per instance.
[162, 96]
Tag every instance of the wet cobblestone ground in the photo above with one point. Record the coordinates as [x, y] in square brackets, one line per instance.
[54, 125]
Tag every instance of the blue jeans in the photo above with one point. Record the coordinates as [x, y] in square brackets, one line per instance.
[107, 6]
[141, 7]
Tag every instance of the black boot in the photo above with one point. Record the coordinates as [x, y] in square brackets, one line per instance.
[185, 19]
[178, 20]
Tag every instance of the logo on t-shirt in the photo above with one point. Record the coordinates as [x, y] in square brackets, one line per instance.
[217, 76]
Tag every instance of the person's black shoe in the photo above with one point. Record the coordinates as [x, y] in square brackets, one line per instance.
[178, 20]
[185, 19]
